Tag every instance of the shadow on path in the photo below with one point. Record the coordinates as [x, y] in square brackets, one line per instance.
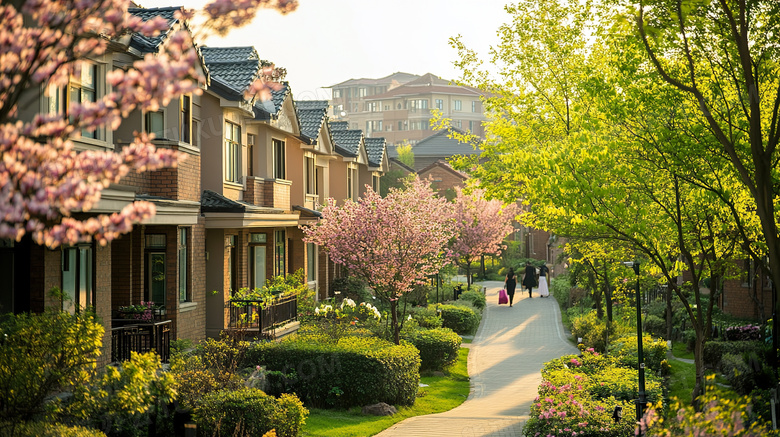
[505, 360]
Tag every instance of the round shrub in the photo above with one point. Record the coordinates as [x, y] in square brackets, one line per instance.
[249, 412]
[476, 298]
[459, 318]
[592, 330]
[438, 347]
[655, 325]
[426, 317]
[626, 351]
[715, 350]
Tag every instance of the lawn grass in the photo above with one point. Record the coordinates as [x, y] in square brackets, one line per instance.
[682, 380]
[680, 350]
[443, 393]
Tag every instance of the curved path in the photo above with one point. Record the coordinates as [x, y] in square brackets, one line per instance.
[505, 360]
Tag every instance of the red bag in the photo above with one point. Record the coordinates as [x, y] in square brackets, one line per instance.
[502, 297]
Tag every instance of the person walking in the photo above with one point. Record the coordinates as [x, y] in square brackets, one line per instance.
[529, 280]
[544, 291]
[510, 283]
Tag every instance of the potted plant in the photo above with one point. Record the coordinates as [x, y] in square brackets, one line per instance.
[145, 311]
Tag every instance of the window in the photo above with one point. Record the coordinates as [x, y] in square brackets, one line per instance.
[317, 179]
[373, 106]
[185, 119]
[311, 178]
[458, 105]
[155, 124]
[232, 258]
[257, 255]
[400, 125]
[156, 273]
[361, 92]
[279, 244]
[375, 183]
[196, 133]
[77, 278]
[250, 154]
[85, 89]
[336, 94]
[232, 152]
[279, 161]
[458, 123]
[474, 106]
[471, 126]
[423, 104]
[182, 255]
[439, 104]
[311, 262]
[387, 107]
[351, 183]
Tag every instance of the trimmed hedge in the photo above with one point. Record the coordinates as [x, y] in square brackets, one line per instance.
[459, 318]
[715, 350]
[426, 317]
[592, 330]
[249, 412]
[655, 325]
[356, 371]
[438, 347]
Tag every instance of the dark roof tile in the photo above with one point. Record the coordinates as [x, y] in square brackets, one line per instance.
[375, 148]
[150, 44]
[347, 141]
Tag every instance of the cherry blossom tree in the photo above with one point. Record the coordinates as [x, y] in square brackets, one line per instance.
[481, 226]
[394, 243]
[44, 181]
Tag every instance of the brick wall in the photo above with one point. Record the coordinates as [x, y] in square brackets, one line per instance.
[191, 319]
[297, 251]
[103, 298]
[122, 271]
[281, 196]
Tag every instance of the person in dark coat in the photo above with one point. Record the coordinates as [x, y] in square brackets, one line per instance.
[529, 280]
[510, 284]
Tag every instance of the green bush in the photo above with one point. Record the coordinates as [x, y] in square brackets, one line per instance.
[41, 354]
[592, 331]
[625, 349]
[212, 366]
[476, 298]
[460, 318]
[42, 429]
[249, 412]
[125, 401]
[746, 372]
[560, 288]
[655, 325]
[353, 288]
[355, 371]
[714, 350]
[426, 317]
[438, 347]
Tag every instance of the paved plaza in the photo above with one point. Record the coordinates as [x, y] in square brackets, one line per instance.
[505, 360]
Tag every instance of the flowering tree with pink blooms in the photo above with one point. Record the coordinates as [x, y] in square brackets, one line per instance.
[44, 180]
[481, 226]
[394, 242]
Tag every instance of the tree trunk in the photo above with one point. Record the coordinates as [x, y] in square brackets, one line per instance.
[608, 295]
[669, 313]
[468, 275]
[698, 353]
[394, 312]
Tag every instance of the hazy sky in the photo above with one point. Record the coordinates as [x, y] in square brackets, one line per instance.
[326, 42]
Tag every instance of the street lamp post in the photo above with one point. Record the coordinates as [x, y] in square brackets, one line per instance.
[642, 401]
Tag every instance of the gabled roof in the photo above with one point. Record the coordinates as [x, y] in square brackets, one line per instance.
[440, 144]
[211, 201]
[347, 141]
[338, 125]
[311, 114]
[444, 165]
[229, 54]
[398, 77]
[375, 149]
[151, 44]
[396, 162]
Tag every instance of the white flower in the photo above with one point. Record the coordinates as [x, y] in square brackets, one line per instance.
[317, 310]
[349, 302]
[409, 318]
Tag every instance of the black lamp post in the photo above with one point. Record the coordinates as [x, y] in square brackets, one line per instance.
[642, 401]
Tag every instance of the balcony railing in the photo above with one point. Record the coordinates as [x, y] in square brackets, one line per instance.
[141, 338]
[260, 316]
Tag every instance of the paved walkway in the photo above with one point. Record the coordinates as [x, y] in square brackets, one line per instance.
[505, 360]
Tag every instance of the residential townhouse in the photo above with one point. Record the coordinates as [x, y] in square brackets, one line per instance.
[156, 261]
[227, 216]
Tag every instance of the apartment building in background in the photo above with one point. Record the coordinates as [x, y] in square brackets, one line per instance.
[398, 107]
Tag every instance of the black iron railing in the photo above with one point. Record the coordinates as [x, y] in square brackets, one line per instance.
[261, 315]
[141, 338]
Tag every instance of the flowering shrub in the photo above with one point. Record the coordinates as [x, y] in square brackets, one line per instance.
[340, 320]
[720, 416]
[279, 286]
[743, 333]
[143, 311]
[567, 410]
[626, 351]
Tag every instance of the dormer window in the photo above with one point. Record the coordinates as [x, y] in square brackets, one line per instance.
[185, 119]
[154, 123]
